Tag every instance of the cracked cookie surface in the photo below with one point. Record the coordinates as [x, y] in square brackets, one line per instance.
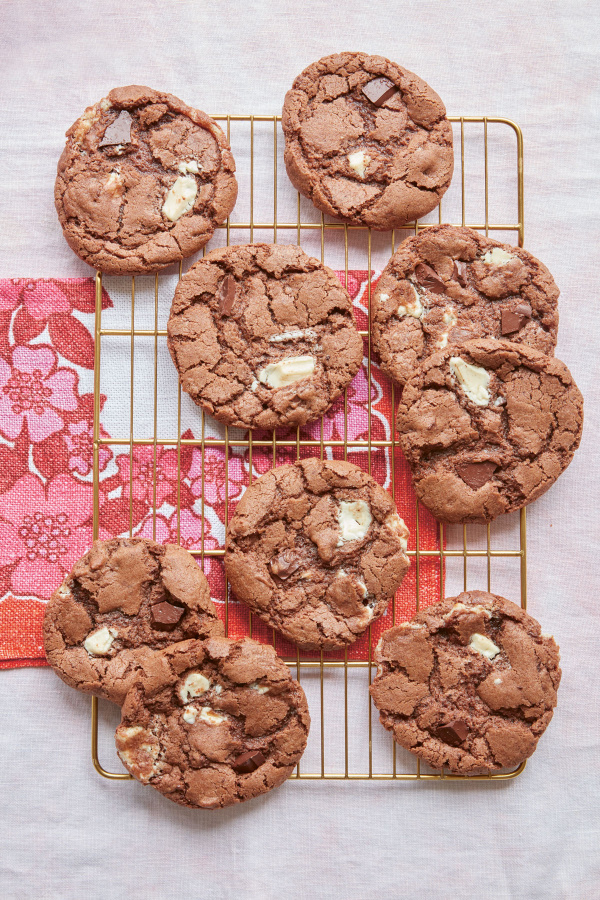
[366, 140]
[218, 722]
[124, 599]
[448, 285]
[316, 549]
[263, 335]
[143, 181]
[488, 426]
[470, 683]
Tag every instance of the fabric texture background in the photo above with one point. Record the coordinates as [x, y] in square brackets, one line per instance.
[65, 832]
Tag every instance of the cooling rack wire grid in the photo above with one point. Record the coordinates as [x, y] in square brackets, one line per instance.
[346, 739]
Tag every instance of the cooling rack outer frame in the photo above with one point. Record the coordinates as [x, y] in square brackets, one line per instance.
[321, 662]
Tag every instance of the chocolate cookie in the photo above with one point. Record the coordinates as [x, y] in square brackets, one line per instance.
[142, 182]
[124, 600]
[366, 140]
[262, 335]
[469, 684]
[221, 722]
[488, 426]
[449, 285]
[316, 549]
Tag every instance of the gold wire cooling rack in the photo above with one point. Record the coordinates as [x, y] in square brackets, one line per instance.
[325, 673]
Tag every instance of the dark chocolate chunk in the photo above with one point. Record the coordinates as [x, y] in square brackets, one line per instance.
[476, 474]
[379, 90]
[226, 295]
[512, 321]
[118, 132]
[285, 564]
[460, 271]
[166, 613]
[249, 762]
[428, 278]
[452, 733]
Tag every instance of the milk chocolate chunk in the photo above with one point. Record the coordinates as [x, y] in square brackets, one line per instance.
[514, 320]
[460, 271]
[476, 474]
[118, 132]
[226, 295]
[452, 733]
[166, 613]
[285, 564]
[428, 278]
[379, 90]
[249, 762]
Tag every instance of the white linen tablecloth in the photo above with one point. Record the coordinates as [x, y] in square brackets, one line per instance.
[66, 833]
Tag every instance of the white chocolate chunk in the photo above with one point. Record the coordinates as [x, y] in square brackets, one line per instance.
[287, 371]
[99, 642]
[384, 297]
[413, 308]
[474, 380]
[359, 161]
[194, 685]
[259, 688]
[190, 715]
[449, 316]
[497, 257]
[293, 335]
[497, 681]
[115, 184]
[209, 716]
[483, 645]
[217, 689]
[398, 526]
[254, 384]
[462, 607]
[180, 198]
[362, 588]
[354, 518]
[190, 166]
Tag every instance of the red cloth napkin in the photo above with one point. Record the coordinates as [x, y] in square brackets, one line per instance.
[46, 493]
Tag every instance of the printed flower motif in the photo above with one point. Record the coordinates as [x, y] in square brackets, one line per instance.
[141, 472]
[79, 438]
[36, 391]
[44, 530]
[40, 297]
[214, 475]
[358, 414]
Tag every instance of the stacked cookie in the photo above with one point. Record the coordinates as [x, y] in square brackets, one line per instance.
[263, 336]
[207, 721]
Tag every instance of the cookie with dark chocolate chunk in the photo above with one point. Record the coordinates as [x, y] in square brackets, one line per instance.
[263, 335]
[143, 181]
[124, 600]
[366, 140]
[488, 426]
[221, 723]
[470, 683]
[448, 285]
[316, 549]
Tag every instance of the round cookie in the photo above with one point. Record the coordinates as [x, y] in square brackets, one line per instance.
[143, 181]
[448, 285]
[316, 549]
[487, 427]
[470, 683]
[221, 723]
[367, 141]
[263, 335]
[125, 599]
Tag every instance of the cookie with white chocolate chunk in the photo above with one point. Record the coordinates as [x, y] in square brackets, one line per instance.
[223, 722]
[125, 599]
[487, 426]
[263, 335]
[143, 181]
[366, 140]
[448, 285]
[316, 549]
[469, 684]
